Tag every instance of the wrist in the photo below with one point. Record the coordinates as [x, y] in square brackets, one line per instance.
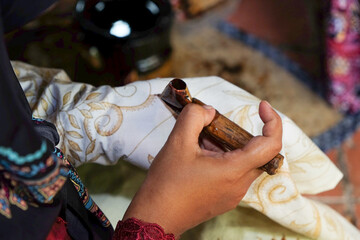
[154, 207]
[151, 214]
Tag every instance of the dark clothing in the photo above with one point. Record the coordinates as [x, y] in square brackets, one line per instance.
[32, 173]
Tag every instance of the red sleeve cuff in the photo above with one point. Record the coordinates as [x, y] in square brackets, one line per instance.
[134, 229]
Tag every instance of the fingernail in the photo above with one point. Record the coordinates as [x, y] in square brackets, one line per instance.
[208, 107]
[266, 102]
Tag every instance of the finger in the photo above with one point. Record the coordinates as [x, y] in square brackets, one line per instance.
[271, 120]
[192, 119]
[262, 149]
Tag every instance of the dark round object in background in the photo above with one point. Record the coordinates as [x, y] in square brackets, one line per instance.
[128, 33]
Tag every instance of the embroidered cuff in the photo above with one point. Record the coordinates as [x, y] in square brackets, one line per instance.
[134, 229]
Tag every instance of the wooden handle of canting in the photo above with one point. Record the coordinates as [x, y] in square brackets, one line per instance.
[231, 136]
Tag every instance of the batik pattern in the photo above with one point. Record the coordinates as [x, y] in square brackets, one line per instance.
[105, 124]
[33, 178]
[20, 183]
[343, 55]
[84, 196]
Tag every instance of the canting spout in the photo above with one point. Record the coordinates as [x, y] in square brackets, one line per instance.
[176, 95]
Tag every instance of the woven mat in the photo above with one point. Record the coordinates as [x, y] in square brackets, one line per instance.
[207, 51]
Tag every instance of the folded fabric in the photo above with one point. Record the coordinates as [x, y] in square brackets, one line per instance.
[104, 124]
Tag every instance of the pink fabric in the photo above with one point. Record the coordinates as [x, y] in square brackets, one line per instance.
[134, 229]
[343, 55]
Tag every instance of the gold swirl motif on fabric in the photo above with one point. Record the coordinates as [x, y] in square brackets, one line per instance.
[103, 123]
[143, 105]
[280, 190]
[148, 101]
[274, 190]
[130, 94]
[106, 124]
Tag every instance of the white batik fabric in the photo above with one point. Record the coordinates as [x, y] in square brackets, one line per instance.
[106, 123]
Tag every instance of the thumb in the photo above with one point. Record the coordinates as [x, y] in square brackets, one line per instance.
[262, 149]
[191, 121]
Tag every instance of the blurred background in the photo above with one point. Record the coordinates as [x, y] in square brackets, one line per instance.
[291, 53]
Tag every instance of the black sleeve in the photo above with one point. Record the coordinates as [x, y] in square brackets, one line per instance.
[16, 13]
[17, 134]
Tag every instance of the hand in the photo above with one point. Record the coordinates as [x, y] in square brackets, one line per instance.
[187, 185]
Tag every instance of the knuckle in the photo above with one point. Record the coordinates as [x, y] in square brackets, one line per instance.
[274, 146]
[237, 165]
[278, 122]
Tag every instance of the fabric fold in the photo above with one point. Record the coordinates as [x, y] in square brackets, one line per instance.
[104, 124]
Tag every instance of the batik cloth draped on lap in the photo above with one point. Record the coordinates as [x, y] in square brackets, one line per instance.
[104, 124]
